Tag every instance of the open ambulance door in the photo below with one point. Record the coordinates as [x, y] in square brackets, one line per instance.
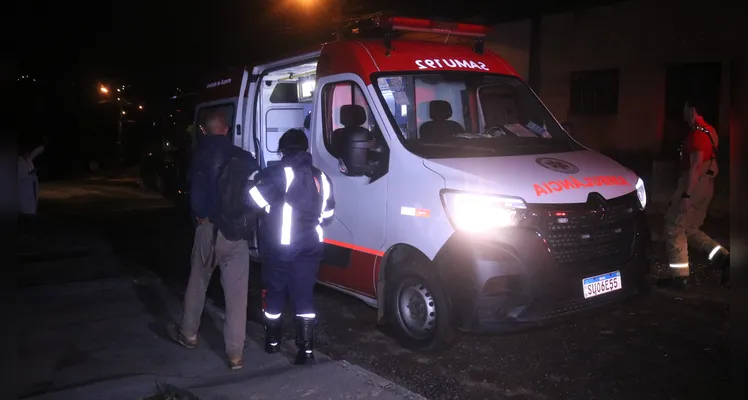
[279, 99]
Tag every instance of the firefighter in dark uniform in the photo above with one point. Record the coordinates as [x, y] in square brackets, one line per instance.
[690, 202]
[298, 201]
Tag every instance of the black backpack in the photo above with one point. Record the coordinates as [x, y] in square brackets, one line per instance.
[236, 218]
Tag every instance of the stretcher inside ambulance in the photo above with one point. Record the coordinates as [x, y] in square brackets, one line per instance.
[462, 205]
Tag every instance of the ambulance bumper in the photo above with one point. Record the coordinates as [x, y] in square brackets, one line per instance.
[515, 281]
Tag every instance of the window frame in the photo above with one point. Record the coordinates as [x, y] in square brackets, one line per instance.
[603, 85]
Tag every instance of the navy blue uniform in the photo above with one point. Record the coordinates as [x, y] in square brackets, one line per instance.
[298, 201]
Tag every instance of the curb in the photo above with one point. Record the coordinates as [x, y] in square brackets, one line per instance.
[381, 383]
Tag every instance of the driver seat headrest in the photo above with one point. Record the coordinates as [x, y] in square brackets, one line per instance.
[440, 110]
[352, 115]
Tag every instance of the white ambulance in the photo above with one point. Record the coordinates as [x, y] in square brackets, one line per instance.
[461, 203]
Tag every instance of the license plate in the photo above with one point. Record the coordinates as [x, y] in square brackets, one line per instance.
[601, 284]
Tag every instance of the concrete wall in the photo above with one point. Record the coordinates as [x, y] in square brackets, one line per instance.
[512, 42]
[640, 38]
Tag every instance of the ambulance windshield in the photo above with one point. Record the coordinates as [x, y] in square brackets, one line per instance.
[462, 114]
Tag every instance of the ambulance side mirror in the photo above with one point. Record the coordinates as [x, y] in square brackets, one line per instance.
[356, 153]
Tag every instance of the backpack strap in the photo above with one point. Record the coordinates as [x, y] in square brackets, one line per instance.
[714, 148]
[214, 238]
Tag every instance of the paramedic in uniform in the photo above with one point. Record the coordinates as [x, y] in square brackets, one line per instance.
[690, 202]
[298, 201]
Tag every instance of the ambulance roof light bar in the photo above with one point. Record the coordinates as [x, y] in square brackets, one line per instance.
[424, 25]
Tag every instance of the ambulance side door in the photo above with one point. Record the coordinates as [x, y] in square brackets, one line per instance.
[354, 240]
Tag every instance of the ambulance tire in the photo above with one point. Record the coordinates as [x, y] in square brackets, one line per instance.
[412, 282]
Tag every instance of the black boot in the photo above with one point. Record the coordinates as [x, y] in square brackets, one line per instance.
[723, 264]
[273, 334]
[305, 340]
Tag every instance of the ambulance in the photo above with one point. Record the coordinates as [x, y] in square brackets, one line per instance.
[462, 205]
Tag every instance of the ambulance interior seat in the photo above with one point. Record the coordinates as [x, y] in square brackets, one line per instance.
[354, 143]
[440, 127]
[352, 116]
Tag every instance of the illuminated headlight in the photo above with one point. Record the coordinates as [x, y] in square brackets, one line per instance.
[477, 213]
[641, 193]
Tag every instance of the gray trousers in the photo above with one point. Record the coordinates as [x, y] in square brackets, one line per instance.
[233, 259]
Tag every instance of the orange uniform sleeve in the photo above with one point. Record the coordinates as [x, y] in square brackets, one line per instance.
[698, 141]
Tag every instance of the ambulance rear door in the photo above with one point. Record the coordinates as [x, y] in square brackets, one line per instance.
[271, 108]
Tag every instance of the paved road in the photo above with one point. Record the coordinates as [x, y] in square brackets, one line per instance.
[664, 345]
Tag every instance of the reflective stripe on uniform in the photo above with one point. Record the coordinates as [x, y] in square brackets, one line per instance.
[325, 213]
[272, 316]
[310, 315]
[257, 197]
[287, 211]
[714, 252]
[680, 265]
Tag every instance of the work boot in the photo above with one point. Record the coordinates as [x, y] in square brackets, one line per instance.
[273, 334]
[674, 282]
[722, 263]
[305, 340]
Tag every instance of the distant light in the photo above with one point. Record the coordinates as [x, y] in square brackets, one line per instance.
[117, 98]
[103, 89]
[140, 107]
[118, 90]
[123, 113]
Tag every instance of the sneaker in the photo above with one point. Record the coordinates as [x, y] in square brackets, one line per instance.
[236, 364]
[178, 337]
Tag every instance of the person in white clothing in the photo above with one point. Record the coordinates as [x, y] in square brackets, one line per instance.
[28, 182]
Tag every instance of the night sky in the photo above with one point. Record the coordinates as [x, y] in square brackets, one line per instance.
[166, 42]
[157, 46]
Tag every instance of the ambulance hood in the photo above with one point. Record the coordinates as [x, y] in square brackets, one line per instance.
[547, 178]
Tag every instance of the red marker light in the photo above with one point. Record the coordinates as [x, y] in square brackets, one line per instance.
[560, 214]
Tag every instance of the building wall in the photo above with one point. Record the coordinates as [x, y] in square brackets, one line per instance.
[512, 42]
[639, 37]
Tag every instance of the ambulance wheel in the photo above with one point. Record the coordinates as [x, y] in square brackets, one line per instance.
[418, 311]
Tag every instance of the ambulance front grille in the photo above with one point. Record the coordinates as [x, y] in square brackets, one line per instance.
[577, 237]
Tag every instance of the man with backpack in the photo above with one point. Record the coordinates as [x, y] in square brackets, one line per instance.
[220, 176]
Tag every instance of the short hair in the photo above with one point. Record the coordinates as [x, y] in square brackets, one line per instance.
[693, 103]
[217, 117]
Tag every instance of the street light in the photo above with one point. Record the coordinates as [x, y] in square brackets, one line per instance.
[123, 113]
[104, 90]
[140, 107]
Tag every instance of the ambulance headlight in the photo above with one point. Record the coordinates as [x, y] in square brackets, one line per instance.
[641, 193]
[478, 213]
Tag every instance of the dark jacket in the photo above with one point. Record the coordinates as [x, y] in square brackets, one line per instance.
[291, 227]
[207, 159]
